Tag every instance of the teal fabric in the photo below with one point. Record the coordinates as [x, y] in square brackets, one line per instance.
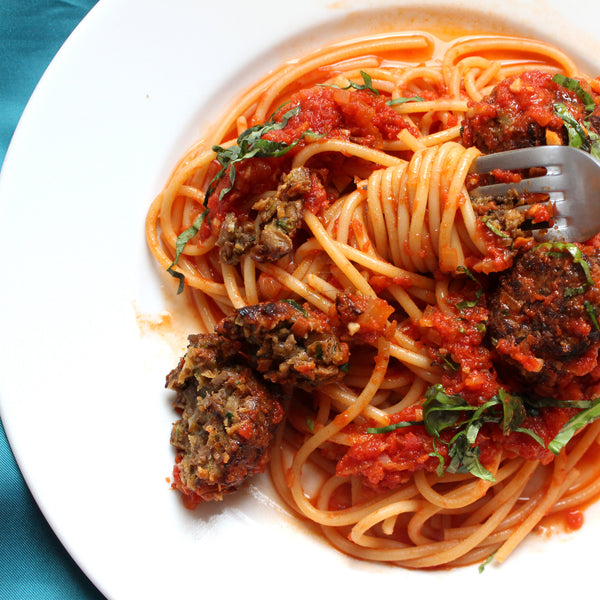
[33, 563]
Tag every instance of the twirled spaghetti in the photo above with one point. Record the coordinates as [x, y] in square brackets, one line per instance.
[375, 129]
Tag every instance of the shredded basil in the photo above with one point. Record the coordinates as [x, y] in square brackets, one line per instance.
[580, 135]
[575, 86]
[575, 251]
[393, 427]
[403, 100]
[443, 411]
[592, 313]
[486, 562]
[296, 305]
[366, 85]
[573, 425]
[478, 293]
[250, 143]
[182, 240]
[494, 228]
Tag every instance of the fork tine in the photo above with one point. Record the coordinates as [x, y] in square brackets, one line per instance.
[546, 184]
[522, 158]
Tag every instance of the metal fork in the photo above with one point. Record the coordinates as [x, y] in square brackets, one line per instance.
[571, 183]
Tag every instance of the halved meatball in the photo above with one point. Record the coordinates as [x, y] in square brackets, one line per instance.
[519, 112]
[288, 344]
[228, 419]
[543, 322]
[267, 233]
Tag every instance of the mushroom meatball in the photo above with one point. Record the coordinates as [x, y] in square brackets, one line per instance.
[543, 322]
[228, 419]
[288, 344]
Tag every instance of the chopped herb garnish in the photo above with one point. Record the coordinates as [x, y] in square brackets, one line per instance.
[592, 313]
[575, 86]
[296, 305]
[450, 412]
[250, 143]
[575, 251]
[283, 224]
[580, 135]
[449, 363]
[470, 303]
[182, 240]
[366, 85]
[486, 562]
[393, 426]
[573, 425]
[395, 101]
[310, 424]
[494, 228]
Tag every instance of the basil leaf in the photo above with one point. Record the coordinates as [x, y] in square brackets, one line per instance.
[465, 459]
[250, 143]
[296, 305]
[395, 101]
[575, 251]
[513, 411]
[575, 86]
[573, 425]
[531, 434]
[470, 303]
[592, 313]
[182, 239]
[393, 426]
[494, 228]
[441, 410]
[577, 135]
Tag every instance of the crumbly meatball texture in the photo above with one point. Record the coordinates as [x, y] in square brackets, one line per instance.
[228, 419]
[288, 344]
[542, 320]
[268, 235]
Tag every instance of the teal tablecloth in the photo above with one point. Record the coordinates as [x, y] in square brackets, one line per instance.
[33, 563]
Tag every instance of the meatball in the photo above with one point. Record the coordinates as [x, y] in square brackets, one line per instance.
[288, 344]
[269, 236]
[519, 112]
[228, 419]
[543, 322]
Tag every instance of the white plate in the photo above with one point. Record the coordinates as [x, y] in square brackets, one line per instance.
[82, 359]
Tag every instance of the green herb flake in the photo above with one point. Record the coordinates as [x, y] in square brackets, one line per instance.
[250, 143]
[393, 427]
[592, 313]
[182, 239]
[478, 293]
[573, 425]
[494, 228]
[296, 305]
[486, 562]
[575, 86]
[403, 100]
[575, 251]
[443, 411]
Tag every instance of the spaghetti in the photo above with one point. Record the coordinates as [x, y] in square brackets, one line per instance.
[348, 171]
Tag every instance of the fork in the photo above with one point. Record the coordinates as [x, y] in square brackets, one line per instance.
[571, 183]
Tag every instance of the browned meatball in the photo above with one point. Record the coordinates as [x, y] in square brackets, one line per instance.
[519, 112]
[288, 344]
[543, 322]
[228, 418]
[269, 235]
